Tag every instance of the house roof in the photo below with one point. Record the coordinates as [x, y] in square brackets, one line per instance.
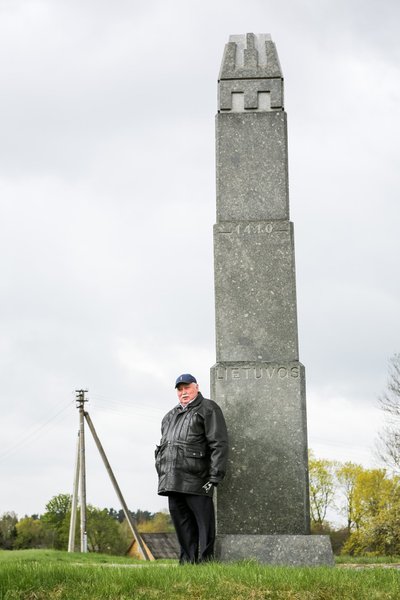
[161, 545]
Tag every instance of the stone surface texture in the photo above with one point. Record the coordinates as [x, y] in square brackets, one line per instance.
[252, 162]
[263, 504]
[265, 490]
[255, 291]
[289, 550]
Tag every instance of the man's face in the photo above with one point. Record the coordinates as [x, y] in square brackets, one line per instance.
[187, 392]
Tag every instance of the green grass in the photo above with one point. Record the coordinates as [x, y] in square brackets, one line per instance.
[367, 560]
[47, 575]
[56, 556]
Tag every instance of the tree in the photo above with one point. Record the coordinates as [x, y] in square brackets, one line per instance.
[58, 507]
[104, 532]
[372, 493]
[115, 514]
[31, 533]
[57, 518]
[348, 475]
[322, 489]
[389, 402]
[8, 531]
[142, 516]
[383, 532]
[159, 523]
[377, 501]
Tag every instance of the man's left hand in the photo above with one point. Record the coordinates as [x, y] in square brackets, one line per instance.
[207, 486]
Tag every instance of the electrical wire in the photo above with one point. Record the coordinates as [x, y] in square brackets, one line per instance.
[33, 434]
[102, 404]
[121, 407]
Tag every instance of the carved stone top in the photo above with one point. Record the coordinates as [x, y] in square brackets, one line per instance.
[250, 78]
[250, 56]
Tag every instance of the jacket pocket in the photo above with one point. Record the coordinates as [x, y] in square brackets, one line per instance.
[158, 459]
[195, 459]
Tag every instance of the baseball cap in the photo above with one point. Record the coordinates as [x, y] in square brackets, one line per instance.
[185, 378]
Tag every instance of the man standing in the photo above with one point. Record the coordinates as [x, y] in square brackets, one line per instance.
[190, 462]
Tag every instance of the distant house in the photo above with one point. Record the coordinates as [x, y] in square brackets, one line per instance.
[158, 545]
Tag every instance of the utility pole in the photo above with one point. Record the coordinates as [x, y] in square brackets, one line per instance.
[136, 534]
[80, 399]
[71, 539]
[80, 481]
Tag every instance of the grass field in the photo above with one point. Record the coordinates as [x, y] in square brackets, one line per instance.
[51, 575]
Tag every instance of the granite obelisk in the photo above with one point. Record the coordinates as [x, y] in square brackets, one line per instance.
[263, 504]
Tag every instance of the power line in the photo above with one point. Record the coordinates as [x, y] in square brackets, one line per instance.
[129, 404]
[33, 434]
[123, 408]
[117, 407]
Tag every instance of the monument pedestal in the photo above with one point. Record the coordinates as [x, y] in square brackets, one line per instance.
[286, 550]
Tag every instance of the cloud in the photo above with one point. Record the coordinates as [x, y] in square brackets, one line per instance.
[107, 183]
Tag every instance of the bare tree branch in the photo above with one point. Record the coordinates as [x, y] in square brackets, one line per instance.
[388, 445]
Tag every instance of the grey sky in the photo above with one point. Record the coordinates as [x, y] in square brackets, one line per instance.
[107, 183]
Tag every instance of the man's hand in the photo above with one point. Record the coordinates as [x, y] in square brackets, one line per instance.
[207, 486]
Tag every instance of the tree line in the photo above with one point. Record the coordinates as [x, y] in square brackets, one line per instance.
[107, 529]
[367, 499]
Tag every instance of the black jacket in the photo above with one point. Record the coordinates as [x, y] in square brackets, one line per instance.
[193, 448]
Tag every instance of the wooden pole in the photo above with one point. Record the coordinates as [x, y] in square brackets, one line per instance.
[74, 504]
[136, 534]
[81, 400]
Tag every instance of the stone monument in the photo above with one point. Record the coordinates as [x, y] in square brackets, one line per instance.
[263, 504]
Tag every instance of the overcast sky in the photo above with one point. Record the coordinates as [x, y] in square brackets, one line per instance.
[107, 183]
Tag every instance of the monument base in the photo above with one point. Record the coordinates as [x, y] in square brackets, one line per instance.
[285, 550]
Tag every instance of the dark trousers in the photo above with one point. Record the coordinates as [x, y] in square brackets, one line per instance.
[194, 521]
